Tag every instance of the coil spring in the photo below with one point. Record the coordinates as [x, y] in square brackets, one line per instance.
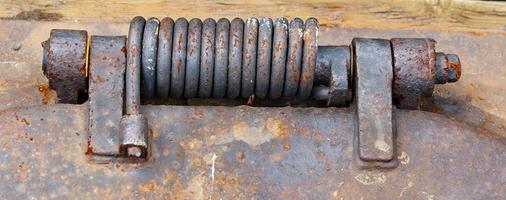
[230, 59]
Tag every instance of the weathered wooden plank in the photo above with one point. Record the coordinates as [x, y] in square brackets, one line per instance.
[383, 14]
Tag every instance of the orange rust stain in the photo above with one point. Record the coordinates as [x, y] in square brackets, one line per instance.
[46, 93]
[22, 172]
[317, 136]
[232, 182]
[287, 147]
[277, 127]
[241, 156]
[169, 175]
[437, 109]
[344, 120]
[166, 151]
[89, 149]
[153, 133]
[276, 157]
[148, 187]
[250, 101]
[23, 120]
[456, 68]
[178, 189]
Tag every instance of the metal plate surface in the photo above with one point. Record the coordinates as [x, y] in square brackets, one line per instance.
[244, 152]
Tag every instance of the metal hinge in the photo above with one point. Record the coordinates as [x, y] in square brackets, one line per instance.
[371, 75]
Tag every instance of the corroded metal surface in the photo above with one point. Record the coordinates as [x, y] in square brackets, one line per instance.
[133, 137]
[373, 99]
[279, 51]
[107, 80]
[22, 82]
[164, 57]
[414, 70]
[333, 68]
[244, 152]
[133, 66]
[64, 64]
[207, 58]
[454, 68]
[249, 57]
[441, 68]
[178, 58]
[448, 163]
[294, 57]
[191, 84]
[264, 55]
[149, 55]
[202, 51]
[221, 59]
[235, 58]
[417, 68]
[309, 51]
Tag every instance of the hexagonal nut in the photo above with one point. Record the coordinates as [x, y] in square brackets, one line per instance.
[441, 76]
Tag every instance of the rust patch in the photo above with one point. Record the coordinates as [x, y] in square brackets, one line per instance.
[277, 127]
[287, 147]
[457, 69]
[46, 93]
[150, 186]
[23, 120]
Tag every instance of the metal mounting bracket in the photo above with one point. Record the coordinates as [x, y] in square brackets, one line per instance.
[374, 129]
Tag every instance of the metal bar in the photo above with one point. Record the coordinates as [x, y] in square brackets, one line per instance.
[149, 55]
[373, 98]
[133, 68]
[235, 58]
[193, 58]
[221, 59]
[279, 52]
[334, 66]
[107, 77]
[207, 58]
[164, 57]
[264, 55]
[179, 58]
[249, 57]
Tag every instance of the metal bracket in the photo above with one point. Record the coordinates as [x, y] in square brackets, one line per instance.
[106, 84]
[384, 73]
[373, 101]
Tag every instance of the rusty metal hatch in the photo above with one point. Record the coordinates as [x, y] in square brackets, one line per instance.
[246, 109]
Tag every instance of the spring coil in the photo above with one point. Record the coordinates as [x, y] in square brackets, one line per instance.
[232, 59]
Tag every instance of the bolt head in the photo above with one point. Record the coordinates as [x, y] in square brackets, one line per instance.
[454, 68]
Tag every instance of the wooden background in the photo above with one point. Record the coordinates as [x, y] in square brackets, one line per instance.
[451, 15]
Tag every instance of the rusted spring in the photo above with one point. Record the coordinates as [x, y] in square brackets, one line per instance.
[133, 68]
[207, 59]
